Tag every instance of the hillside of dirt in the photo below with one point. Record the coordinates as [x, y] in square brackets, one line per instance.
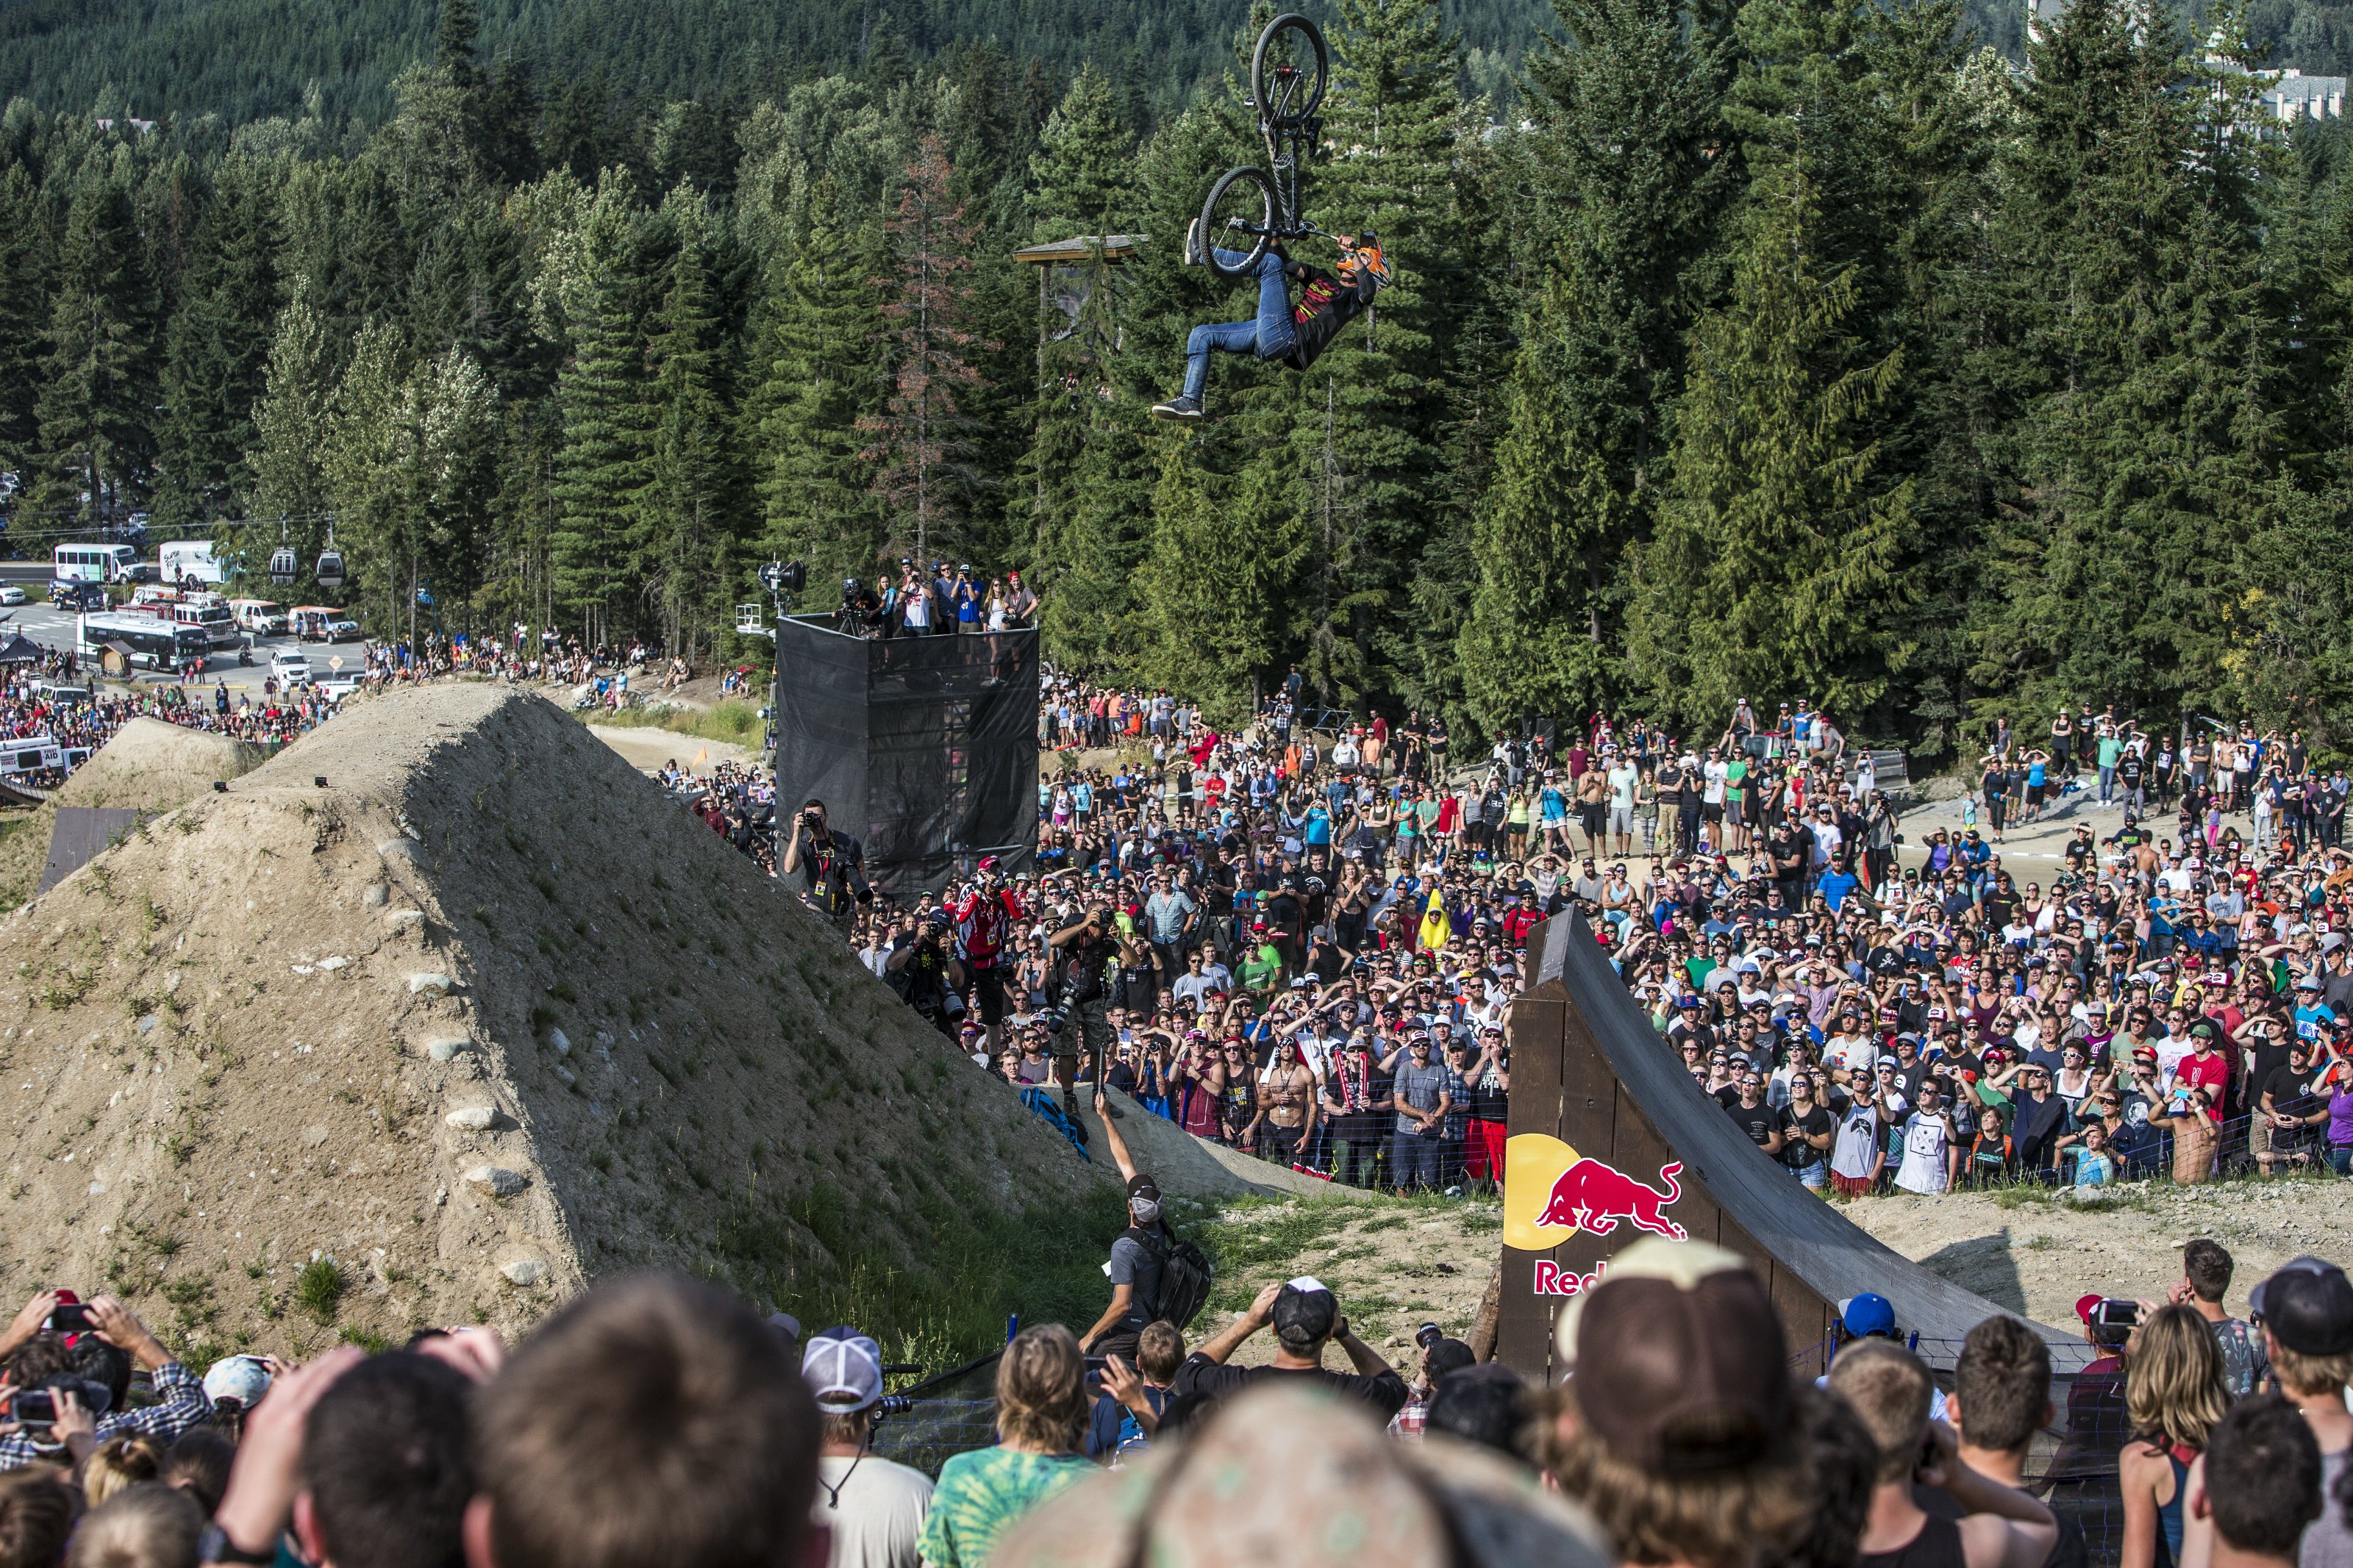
[149, 766]
[480, 1018]
[2038, 1253]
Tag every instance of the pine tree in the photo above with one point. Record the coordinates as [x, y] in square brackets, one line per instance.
[371, 472]
[1549, 533]
[286, 464]
[1085, 452]
[1364, 440]
[1083, 179]
[919, 441]
[1770, 575]
[1215, 583]
[822, 377]
[1630, 177]
[689, 531]
[24, 314]
[606, 463]
[216, 348]
[99, 380]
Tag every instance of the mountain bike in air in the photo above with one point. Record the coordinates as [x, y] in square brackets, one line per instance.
[1249, 209]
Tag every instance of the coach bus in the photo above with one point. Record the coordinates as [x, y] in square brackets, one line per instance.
[154, 642]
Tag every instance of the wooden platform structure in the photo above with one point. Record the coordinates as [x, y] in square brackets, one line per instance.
[1611, 1139]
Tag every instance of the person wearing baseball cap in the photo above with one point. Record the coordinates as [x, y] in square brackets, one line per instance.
[2305, 1311]
[875, 1507]
[1138, 1257]
[1305, 1316]
[1678, 1426]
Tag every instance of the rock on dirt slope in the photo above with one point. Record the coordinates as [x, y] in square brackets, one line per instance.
[484, 1018]
[149, 766]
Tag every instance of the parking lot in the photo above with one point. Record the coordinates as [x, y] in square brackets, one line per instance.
[54, 628]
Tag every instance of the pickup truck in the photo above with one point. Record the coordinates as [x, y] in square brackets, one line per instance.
[289, 668]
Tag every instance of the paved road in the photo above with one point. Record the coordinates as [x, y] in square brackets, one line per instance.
[54, 628]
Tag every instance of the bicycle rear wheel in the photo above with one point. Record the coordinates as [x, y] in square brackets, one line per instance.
[1238, 217]
[1288, 70]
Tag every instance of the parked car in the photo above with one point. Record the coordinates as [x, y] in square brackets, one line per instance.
[289, 668]
[12, 594]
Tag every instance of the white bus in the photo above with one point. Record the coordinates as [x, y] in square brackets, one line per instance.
[93, 562]
[189, 561]
[157, 643]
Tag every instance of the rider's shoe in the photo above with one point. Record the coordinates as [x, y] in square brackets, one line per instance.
[1196, 254]
[1178, 408]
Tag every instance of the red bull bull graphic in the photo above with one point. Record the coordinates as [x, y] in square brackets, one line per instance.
[1551, 1192]
[1593, 1196]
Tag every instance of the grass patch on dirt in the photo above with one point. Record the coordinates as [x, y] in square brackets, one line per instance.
[733, 721]
[979, 1267]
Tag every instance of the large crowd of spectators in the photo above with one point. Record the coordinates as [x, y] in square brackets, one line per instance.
[53, 698]
[657, 1421]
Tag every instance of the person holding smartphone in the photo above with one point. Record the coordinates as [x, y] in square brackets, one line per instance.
[37, 1358]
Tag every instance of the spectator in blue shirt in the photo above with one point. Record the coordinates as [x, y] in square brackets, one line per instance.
[1836, 883]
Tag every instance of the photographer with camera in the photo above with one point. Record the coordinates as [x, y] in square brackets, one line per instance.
[923, 968]
[832, 863]
[1439, 1355]
[874, 1506]
[1081, 950]
[53, 1386]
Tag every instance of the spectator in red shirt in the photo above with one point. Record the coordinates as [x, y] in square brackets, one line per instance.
[2205, 1066]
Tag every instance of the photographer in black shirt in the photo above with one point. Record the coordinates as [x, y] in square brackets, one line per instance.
[832, 864]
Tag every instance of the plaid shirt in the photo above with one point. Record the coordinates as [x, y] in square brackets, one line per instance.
[180, 1405]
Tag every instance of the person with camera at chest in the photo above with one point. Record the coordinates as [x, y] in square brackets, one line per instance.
[68, 1375]
[923, 968]
[1081, 950]
[832, 865]
[875, 1507]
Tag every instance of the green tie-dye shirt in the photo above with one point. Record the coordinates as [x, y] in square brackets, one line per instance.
[983, 1494]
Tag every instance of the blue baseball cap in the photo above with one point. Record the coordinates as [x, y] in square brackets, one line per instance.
[1866, 1315]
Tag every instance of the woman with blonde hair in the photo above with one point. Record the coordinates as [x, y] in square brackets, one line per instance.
[118, 1463]
[1041, 1413]
[2173, 1398]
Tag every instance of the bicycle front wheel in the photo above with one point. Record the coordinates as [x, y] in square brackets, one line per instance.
[1238, 218]
[1288, 70]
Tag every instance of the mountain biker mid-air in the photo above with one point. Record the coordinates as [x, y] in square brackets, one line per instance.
[1295, 335]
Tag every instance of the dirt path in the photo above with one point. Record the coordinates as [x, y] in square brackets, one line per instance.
[648, 748]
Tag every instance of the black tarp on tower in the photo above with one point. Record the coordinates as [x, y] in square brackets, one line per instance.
[923, 747]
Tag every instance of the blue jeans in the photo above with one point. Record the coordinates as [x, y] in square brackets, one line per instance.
[1415, 1161]
[1270, 336]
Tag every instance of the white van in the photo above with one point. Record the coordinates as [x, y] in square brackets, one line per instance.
[259, 616]
[189, 561]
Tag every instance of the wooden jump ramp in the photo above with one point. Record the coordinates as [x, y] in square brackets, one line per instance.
[1611, 1140]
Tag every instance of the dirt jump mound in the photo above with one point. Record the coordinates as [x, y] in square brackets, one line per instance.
[149, 766]
[446, 1012]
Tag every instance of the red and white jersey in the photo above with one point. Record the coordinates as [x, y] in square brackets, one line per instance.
[983, 920]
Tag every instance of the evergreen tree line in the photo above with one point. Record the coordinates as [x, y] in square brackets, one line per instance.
[1768, 349]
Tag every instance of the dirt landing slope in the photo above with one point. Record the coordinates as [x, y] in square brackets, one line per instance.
[1193, 1167]
[150, 765]
[483, 1018]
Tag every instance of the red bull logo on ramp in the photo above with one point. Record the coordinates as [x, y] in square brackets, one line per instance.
[1551, 1192]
